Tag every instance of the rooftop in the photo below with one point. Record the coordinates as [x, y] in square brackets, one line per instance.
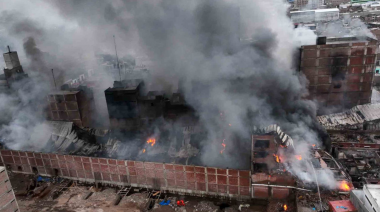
[374, 190]
[355, 116]
[63, 92]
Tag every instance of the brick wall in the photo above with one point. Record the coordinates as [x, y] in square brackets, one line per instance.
[340, 74]
[171, 177]
[7, 198]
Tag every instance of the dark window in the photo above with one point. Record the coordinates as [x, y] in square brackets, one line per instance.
[261, 154]
[262, 144]
[151, 104]
[19, 168]
[337, 85]
[260, 167]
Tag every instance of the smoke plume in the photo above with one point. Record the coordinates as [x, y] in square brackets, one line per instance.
[233, 60]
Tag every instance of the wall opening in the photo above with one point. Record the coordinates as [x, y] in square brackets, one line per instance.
[56, 172]
[262, 144]
[260, 167]
[8, 167]
[19, 168]
[34, 169]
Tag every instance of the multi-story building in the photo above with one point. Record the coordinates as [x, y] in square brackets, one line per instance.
[122, 103]
[74, 105]
[340, 71]
[8, 201]
[13, 71]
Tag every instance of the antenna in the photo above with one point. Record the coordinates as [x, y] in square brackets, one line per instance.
[55, 85]
[117, 59]
[9, 49]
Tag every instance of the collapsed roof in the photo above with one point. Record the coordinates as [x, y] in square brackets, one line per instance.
[67, 138]
[351, 119]
[274, 128]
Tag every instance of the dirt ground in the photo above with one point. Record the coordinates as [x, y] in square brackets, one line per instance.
[71, 200]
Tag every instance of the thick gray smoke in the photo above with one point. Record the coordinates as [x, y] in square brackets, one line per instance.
[233, 60]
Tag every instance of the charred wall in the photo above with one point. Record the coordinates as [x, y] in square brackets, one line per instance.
[340, 75]
[75, 106]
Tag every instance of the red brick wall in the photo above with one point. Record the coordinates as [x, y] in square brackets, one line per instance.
[356, 62]
[171, 177]
[7, 198]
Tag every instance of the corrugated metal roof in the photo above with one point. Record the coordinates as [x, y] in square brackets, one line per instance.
[351, 118]
[64, 139]
[274, 128]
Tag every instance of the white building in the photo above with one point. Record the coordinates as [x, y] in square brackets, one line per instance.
[311, 16]
[372, 197]
[327, 15]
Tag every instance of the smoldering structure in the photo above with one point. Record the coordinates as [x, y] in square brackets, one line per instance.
[215, 79]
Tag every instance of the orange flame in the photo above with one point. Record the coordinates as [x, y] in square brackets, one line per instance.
[313, 145]
[344, 186]
[224, 147]
[151, 141]
[285, 207]
[144, 150]
[277, 158]
[299, 157]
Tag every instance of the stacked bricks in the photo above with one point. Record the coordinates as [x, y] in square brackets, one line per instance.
[7, 198]
[340, 74]
[171, 177]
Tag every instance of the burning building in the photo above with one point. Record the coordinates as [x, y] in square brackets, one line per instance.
[277, 170]
[75, 105]
[340, 70]
[13, 71]
[122, 103]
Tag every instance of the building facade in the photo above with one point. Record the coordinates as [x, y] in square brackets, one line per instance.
[71, 105]
[12, 72]
[8, 201]
[340, 72]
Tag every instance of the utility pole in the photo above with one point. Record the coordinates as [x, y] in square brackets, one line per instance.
[117, 59]
[55, 85]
